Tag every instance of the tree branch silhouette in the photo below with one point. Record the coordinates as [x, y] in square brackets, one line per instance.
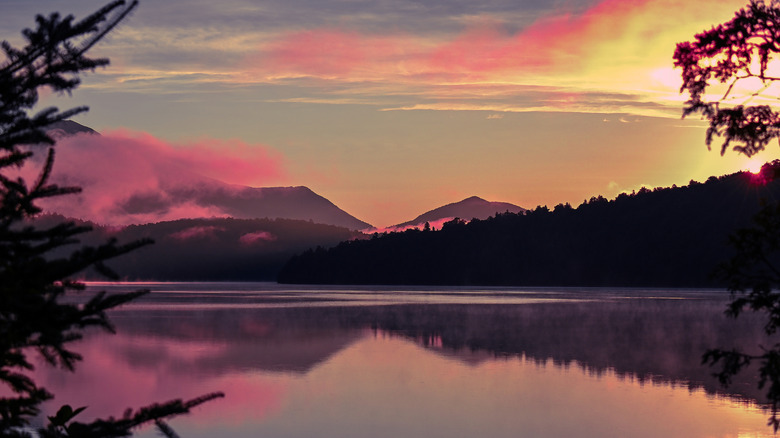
[33, 282]
[737, 52]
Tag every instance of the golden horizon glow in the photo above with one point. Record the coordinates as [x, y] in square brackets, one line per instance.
[754, 166]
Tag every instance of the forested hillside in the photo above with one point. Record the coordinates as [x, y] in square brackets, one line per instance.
[663, 237]
[212, 249]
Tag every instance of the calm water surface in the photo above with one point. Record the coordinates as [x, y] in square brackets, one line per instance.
[420, 362]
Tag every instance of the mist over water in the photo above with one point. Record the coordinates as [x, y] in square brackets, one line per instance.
[330, 361]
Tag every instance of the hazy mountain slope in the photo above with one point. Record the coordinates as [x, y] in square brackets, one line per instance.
[469, 208]
[243, 202]
[211, 249]
[666, 237]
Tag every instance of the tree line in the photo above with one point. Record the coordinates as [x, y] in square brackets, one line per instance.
[668, 237]
[209, 249]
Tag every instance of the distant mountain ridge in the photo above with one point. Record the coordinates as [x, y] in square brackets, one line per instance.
[244, 202]
[68, 127]
[467, 209]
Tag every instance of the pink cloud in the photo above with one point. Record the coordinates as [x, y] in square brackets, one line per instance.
[486, 50]
[557, 42]
[330, 53]
[131, 177]
[551, 42]
[324, 52]
[230, 161]
[197, 232]
[256, 237]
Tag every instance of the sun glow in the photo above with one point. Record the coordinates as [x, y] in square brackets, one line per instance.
[754, 166]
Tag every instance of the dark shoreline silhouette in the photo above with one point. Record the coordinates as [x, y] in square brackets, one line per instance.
[666, 237]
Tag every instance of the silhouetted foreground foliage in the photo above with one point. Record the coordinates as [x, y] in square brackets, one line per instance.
[753, 278]
[663, 237]
[734, 54]
[738, 54]
[32, 317]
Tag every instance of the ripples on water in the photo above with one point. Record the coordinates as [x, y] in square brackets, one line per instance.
[274, 295]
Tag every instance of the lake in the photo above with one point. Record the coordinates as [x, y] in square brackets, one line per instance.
[303, 361]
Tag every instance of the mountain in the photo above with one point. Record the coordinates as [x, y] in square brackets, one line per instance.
[242, 202]
[65, 128]
[281, 202]
[121, 187]
[666, 237]
[469, 208]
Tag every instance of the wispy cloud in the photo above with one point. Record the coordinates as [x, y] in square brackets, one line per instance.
[610, 47]
[583, 47]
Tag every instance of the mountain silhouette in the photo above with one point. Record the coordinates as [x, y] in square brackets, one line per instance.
[243, 202]
[469, 208]
[68, 127]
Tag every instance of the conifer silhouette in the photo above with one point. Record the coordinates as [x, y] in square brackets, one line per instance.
[33, 316]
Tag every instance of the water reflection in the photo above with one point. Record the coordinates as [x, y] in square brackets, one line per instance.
[607, 364]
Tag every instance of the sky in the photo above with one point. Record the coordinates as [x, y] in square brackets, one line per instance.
[390, 108]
